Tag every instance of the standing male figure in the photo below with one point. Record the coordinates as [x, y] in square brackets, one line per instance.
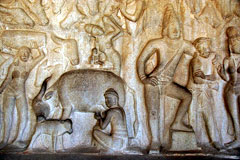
[205, 86]
[160, 82]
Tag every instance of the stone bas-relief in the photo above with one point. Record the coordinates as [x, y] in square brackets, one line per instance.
[120, 77]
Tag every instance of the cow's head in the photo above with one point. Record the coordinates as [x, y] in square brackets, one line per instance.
[46, 103]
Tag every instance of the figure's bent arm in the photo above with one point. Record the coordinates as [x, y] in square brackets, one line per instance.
[151, 47]
[198, 79]
[104, 122]
[198, 75]
[111, 22]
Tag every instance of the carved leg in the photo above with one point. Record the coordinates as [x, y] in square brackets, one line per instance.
[1, 124]
[152, 102]
[103, 139]
[233, 106]
[54, 143]
[22, 109]
[209, 131]
[8, 106]
[175, 91]
[30, 127]
[61, 142]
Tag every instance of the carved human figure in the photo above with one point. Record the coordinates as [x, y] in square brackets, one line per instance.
[159, 82]
[8, 16]
[35, 10]
[107, 13]
[205, 84]
[104, 40]
[96, 57]
[31, 12]
[224, 7]
[121, 6]
[14, 94]
[111, 8]
[230, 72]
[114, 116]
[92, 11]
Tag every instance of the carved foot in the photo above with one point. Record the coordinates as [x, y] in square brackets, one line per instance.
[2, 145]
[208, 148]
[181, 127]
[152, 151]
[154, 148]
[233, 145]
[16, 147]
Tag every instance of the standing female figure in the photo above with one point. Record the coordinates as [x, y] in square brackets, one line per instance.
[14, 94]
[230, 72]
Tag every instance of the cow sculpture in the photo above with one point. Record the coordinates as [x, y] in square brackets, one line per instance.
[83, 91]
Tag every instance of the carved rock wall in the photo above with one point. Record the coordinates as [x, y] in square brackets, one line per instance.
[120, 77]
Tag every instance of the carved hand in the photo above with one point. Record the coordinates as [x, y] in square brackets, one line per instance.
[97, 116]
[219, 69]
[151, 80]
[210, 77]
[200, 74]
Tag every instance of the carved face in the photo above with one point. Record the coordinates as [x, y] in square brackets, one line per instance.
[204, 49]
[110, 100]
[173, 31]
[94, 51]
[235, 44]
[24, 54]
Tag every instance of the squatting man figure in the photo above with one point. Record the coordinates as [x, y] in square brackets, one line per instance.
[117, 139]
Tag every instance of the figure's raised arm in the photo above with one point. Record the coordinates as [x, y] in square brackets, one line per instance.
[40, 57]
[112, 28]
[138, 11]
[8, 79]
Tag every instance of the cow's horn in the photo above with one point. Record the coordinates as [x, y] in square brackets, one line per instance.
[43, 88]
